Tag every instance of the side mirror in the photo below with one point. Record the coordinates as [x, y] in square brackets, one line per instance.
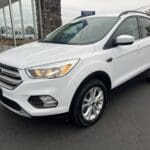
[125, 40]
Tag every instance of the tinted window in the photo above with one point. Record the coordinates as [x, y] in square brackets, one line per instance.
[83, 31]
[129, 27]
[144, 27]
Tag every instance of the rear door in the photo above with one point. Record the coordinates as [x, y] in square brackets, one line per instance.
[144, 43]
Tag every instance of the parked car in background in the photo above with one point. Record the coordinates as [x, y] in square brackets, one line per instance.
[18, 33]
[75, 67]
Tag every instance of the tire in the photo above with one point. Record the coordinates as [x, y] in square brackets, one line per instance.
[85, 104]
[148, 75]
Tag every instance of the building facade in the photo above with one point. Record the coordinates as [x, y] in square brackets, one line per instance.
[23, 21]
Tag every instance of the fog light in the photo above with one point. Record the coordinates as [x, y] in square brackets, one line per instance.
[48, 101]
[43, 101]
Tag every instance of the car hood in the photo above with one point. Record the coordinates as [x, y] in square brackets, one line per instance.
[39, 53]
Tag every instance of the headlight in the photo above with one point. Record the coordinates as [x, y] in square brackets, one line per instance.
[54, 70]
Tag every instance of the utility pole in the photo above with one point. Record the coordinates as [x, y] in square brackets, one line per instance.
[12, 22]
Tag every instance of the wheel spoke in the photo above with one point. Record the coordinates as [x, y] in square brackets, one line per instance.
[94, 92]
[94, 110]
[89, 113]
[87, 100]
[99, 97]
[91, 93]
[84, 106]
[98, 107]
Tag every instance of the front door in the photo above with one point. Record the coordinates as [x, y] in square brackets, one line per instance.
[126, 58]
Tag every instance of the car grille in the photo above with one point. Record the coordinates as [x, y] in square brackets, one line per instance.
[9, 77]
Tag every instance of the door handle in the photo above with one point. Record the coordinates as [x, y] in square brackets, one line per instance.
[109, 60]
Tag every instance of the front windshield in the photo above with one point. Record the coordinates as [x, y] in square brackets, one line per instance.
[83, 31]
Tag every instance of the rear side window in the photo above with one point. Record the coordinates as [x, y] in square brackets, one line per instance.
[144, 27]
[129, 27]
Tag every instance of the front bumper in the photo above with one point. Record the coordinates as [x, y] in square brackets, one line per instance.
[14, 107]
[33, 87]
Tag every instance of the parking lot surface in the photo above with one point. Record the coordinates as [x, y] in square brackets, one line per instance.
[125, 125]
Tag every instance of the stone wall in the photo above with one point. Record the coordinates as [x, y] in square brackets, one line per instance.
[50, 15]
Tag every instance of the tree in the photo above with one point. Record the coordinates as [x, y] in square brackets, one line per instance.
[50, 16]
[29, 30]
[4, 29]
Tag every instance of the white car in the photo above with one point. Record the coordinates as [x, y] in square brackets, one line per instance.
[75, 67]
[18, 34]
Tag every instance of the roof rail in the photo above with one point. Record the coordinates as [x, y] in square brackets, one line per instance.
[132, 11]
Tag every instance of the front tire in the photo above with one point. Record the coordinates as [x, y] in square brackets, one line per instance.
[89, 103]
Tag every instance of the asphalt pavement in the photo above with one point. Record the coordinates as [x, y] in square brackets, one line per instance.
[125, 125]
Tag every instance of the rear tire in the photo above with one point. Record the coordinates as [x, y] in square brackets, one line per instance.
[148, 75]
[89, 103]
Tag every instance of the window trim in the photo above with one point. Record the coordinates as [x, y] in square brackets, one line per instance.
[107, 44]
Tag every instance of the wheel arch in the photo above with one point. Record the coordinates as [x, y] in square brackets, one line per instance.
[100, 75]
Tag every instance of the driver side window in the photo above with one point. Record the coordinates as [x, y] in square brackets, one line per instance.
[128, 27]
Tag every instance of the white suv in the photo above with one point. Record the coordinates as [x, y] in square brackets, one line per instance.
[74, 68]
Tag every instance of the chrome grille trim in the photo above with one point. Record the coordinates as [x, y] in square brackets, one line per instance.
[9, 77]
[2, 84]
[9, 80]
[11, 73]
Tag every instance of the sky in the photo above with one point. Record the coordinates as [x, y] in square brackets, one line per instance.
[72, 8]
